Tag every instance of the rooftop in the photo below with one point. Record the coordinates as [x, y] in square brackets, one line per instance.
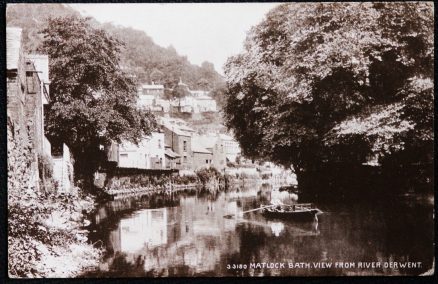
[206, 141]
[170, 153]
[41, 63]
[204, 98]
[197, 147]
[152, 87]
[176, 129]
[176, 123]
[226, 137]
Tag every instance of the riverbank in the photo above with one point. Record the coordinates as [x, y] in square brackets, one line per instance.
[46, 236]
[56, 245]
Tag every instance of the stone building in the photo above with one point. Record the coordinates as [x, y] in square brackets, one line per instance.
[41, 66]
[178, 136]
[202, 158]
[27, 94]
[212, 143]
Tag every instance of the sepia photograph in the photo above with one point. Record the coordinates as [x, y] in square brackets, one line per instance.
[220, 139]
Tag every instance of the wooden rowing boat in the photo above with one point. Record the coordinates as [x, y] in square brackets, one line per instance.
[297, 212]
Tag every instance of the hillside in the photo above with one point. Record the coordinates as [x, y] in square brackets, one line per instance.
[141, 56]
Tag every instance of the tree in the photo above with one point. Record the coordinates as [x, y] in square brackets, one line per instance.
[92, 99]
[218, 93]
[203, 84]
[179, 92]
[310, 69]
[157, 77]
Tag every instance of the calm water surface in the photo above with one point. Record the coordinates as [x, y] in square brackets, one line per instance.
[187, 235]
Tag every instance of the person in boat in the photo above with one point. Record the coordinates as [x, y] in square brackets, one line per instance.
[279, 208]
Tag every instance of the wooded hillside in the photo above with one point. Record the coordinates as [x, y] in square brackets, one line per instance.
[141, 56]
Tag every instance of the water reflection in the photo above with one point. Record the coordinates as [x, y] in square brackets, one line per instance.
[276, 227]
[186, 235]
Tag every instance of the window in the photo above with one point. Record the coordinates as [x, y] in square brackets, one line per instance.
[185, 159]
[159, 143]
[206, 161]
[30, 81]
[184, 145]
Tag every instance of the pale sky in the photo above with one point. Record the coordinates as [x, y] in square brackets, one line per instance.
[201, 31]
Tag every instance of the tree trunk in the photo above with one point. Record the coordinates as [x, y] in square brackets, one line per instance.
[87, 162]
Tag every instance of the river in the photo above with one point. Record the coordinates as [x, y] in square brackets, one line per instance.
[186, 235]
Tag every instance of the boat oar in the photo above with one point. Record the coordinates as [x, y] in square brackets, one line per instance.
[252, 210]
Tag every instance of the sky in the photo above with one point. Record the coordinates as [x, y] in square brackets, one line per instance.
[201, 31]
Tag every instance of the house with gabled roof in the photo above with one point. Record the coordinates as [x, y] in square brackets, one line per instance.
[178, 135]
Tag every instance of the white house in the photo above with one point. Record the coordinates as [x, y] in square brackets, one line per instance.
[206, 103]
[155, 90]
[163, 104]
[148, 154]
[231, 147]
[145, 101]
[198, 93]
[197, 101]
[148, 95]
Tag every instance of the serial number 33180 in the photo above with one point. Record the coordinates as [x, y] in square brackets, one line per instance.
[236, 266]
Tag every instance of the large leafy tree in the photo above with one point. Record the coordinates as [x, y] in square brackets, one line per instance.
[320, 83]
[92, 99]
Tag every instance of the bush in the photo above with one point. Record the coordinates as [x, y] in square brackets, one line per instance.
[186, 179]
[31, 236]
[206, 174]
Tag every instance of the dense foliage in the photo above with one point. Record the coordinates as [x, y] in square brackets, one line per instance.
[320, 83]
[43, 224]
[93, 102]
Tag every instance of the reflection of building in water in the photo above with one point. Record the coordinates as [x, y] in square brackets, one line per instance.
[276, 227]
[184, 237]
[230, 223]
[146, 229]
[252, 192]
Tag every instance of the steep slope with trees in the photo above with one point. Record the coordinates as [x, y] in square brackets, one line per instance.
[140, 55]
[314, 79]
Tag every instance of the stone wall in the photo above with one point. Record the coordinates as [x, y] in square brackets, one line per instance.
[22, 168]
[202, 160]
